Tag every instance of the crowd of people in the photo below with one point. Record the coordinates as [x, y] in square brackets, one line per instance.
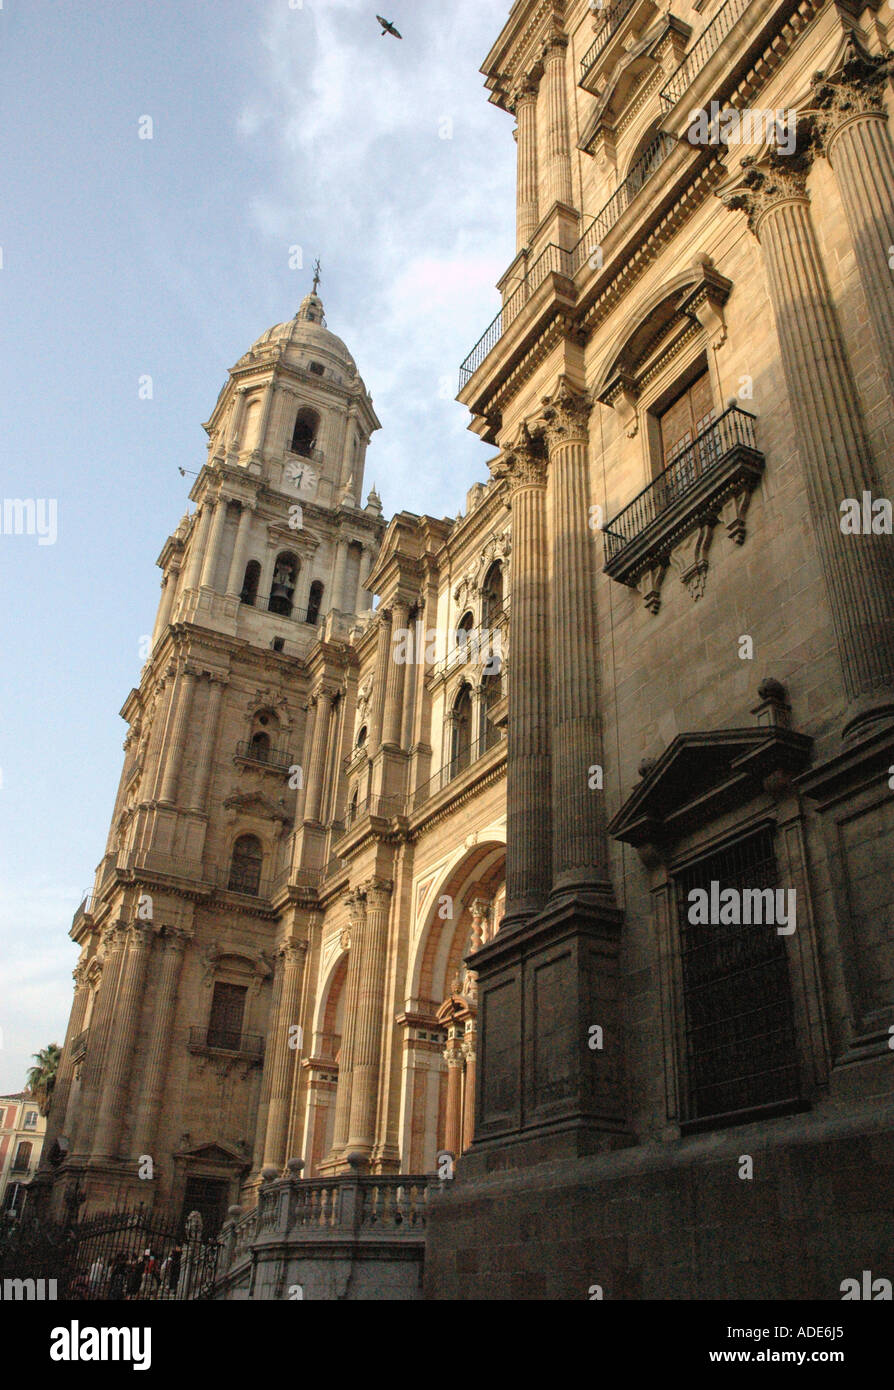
[127, 1276]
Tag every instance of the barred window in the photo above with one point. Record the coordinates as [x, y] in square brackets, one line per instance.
[739, 1014]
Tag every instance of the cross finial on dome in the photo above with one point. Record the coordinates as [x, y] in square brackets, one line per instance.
[316, 275]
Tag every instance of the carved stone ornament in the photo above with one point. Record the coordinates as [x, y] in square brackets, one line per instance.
[765, 185]
[690, 559]
[364, 696]
[855, 88]
[566, 413]
[523, 463]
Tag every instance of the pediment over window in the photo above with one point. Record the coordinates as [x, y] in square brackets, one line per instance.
[218, 1154]
[252, 803]
[700, 775]
[660, 50]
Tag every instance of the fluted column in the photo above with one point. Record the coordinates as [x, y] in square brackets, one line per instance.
[121, 1039]
[364, 597]
[469, 1051]
[202, 773]
[394, 686]
[293, 953]
[240, 550]
[367, 1049]
[527, 193]
[383, 661]
[172, 752]
[314, 774]
[56, 1121]
[858, 569]
[528, 809]
[356, 918]
[453, 1122]
[209, 564]
[113, 939]
[171, 947]
[853, 126]
[166, 603]
[338, 578]
[267, 1075]
[236, 417]
[558, 152]
[579, 846]
[199, 545]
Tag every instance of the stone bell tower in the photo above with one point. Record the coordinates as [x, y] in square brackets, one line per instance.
[194, 937]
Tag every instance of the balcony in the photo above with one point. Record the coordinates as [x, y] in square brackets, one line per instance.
[275, 759]
[79, 1046]
[212, 1039]
[705, 45]
[453, 771]
[613, 18]
[556, 260]
[383, 807]
[711, 479]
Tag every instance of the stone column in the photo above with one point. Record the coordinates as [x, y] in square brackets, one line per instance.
[528, 805]
[858, 570]
[172, 752]
[364, 597]
[209, 736]
[266, 409]
[56, 1121]
[558, 153]
[236, 416]
[853, 126]
[579, 845]
[209, 564]
[121, 1039]
[394, 686]
[383, 661]
[113, 939]
[338, 577]
[240, 549]
[267, 1075]
[314, 773]
[367, 1048]
[453, 1124]
[356, 918]
[469, 1054]
[172, 946]
[527, 194]
[293, 953]
[199, 545]
[166, 603]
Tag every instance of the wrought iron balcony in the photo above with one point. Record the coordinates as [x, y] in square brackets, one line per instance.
[381, 806]
[309, 452]
[613, 17]
[278, 759]
[552, 259]
[651, 159]
[705, 45]
[722, 462]
[214, 1039]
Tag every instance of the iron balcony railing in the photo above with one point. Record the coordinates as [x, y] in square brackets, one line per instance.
[79, 1045]
[568, 262]
[450, 771]
[278, 758]
[707, 43]
[613, 17]
[310, 453]
[383, 806]
[227, 1040]
[734, 427]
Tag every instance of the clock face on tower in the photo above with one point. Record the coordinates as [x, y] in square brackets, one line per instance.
[302, 477]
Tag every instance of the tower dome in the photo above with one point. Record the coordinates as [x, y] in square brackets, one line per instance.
[304, 338]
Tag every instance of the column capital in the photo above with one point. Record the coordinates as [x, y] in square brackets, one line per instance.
[140, 934]
[554, 46]
[765, 185]
[377, 892]
[855, 88]
[175, 939]
[324, 693]
[291, 952]
[523, 92]
[566, 413]
[522, 464]
[80, 975]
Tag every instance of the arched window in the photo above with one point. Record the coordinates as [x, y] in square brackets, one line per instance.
[492, 691]
[285, 575]
[361, 738]
[461, 751]
[260, 747]
[245, 866]
[250, 583]
[651, 151]
[464, 628]
[352, 808]
[304, 435]
[314, 601]
[492, 606]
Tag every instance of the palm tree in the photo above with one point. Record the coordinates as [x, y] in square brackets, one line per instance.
[42, 1077]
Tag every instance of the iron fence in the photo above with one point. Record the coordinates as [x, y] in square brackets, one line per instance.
[613, 16]
[705, 45]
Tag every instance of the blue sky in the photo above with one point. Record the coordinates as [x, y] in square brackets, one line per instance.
[275, 124]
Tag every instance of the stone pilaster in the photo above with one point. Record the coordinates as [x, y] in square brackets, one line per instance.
[579, 843]
[171, 949]
[293, 954]
[528, 804]
[202, 775]
[166, 603]
[317, 766]
[113, 940]
[199, 545]
[852, 124]
[527, 194]
[338, 580]
[209, 561]
[469, 1051]
[367, 1050]
[356, 918]
[172, 752]
[383, 661]
[122, 1033]
[558, 151]
[240, 550]
[858, 569]
[364, 597]
[394, 685]
[453, 1126]
[56, 1121]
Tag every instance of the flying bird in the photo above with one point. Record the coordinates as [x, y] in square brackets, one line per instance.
[388, 27]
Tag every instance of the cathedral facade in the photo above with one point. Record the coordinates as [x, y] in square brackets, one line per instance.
[571, 856]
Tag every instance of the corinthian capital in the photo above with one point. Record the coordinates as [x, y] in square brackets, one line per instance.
[855, 88]
[522, 464]
[566, 413]
[766, 185]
